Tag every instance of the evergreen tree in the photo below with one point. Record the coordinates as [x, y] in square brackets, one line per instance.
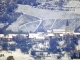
[7, 12]
[53, 45]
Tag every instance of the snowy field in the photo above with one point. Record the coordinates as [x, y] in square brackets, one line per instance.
[17, 55]
[43, 17]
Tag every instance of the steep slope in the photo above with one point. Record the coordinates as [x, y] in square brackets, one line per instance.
[34, 19]
[23, 19]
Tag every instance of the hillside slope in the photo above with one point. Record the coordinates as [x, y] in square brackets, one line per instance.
[34, 19]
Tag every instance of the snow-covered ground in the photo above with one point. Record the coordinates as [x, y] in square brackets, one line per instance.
[17, 55]
[75, 3]
[43, 13]
[32, 18]
[3, 24]
[78, 47]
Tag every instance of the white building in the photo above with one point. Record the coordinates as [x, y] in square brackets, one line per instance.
[38, 35]
[1, 35]
[41, 1]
